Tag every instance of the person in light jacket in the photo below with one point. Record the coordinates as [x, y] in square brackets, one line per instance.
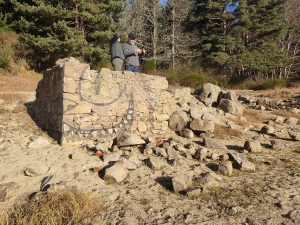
[116, 52]
[132, 54]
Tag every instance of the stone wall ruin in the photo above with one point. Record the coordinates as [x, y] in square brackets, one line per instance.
[75, 104]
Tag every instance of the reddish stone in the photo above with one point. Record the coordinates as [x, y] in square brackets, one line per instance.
[97, 169]
[159, 141]
[99, 154]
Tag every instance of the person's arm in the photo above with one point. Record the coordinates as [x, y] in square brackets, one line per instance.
[128, 50]
[113, 50]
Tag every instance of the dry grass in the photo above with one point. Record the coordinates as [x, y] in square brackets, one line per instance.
[58, 208]
[25, 73]
[253, 116]
[222, 132]
[12, 97]
[4, 110]
[276, 93]
[24, 81]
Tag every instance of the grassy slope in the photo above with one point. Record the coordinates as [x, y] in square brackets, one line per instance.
[25, 81]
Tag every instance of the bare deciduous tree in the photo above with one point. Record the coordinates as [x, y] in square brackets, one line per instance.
[162, 29]
[290, 44]
[142, 19]
[180, 39]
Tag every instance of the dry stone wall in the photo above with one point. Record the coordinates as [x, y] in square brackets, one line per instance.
[74, 104]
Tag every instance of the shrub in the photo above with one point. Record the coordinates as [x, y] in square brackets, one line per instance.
[9, 56]
[196, 79]
[148, 66]
[188, 78]
[224, 83]
[245, 84]
[101, 64]
[4, 59]
[173, 76]
[7, 42]
[274, 83]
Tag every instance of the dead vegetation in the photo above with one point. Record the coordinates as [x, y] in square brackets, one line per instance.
[12, 97]
[26, 81]
[56, 208]
[3, 110]
[223, 132]
[278, 93]
[253, 116]
[9, 98]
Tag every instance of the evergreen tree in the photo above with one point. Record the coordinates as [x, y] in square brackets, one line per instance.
[53, 29]
[241, 37]
[6, 9]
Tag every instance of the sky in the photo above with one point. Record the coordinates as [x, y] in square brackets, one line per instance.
[163, 2]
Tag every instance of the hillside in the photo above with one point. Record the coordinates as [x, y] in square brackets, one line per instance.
[26, 81]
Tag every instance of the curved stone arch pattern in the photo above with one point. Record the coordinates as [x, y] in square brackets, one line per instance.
[112, 99]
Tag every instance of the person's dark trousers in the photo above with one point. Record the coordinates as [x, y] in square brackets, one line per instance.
[131, 68]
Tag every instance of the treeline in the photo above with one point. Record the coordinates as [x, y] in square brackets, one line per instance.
[227, 41]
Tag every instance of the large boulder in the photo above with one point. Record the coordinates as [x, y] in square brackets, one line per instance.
[177, 122]
[252, 146]
[208, 94]
[229, 103]
[202, 125]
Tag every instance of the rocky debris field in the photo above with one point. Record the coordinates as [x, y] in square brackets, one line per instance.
[251, 176]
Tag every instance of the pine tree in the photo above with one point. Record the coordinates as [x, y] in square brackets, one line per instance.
[53, 29]
[6, 9]
[242, 40]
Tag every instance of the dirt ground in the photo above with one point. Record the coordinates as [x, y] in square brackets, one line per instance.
[269, 195]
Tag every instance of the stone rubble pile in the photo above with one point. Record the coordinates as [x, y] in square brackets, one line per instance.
[265, 103]
[189, 116]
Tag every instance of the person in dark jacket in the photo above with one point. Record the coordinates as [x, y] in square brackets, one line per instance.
[116, 52]
[132, 54]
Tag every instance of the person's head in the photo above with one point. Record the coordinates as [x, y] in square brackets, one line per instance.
[116, 37]
[131, 38]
